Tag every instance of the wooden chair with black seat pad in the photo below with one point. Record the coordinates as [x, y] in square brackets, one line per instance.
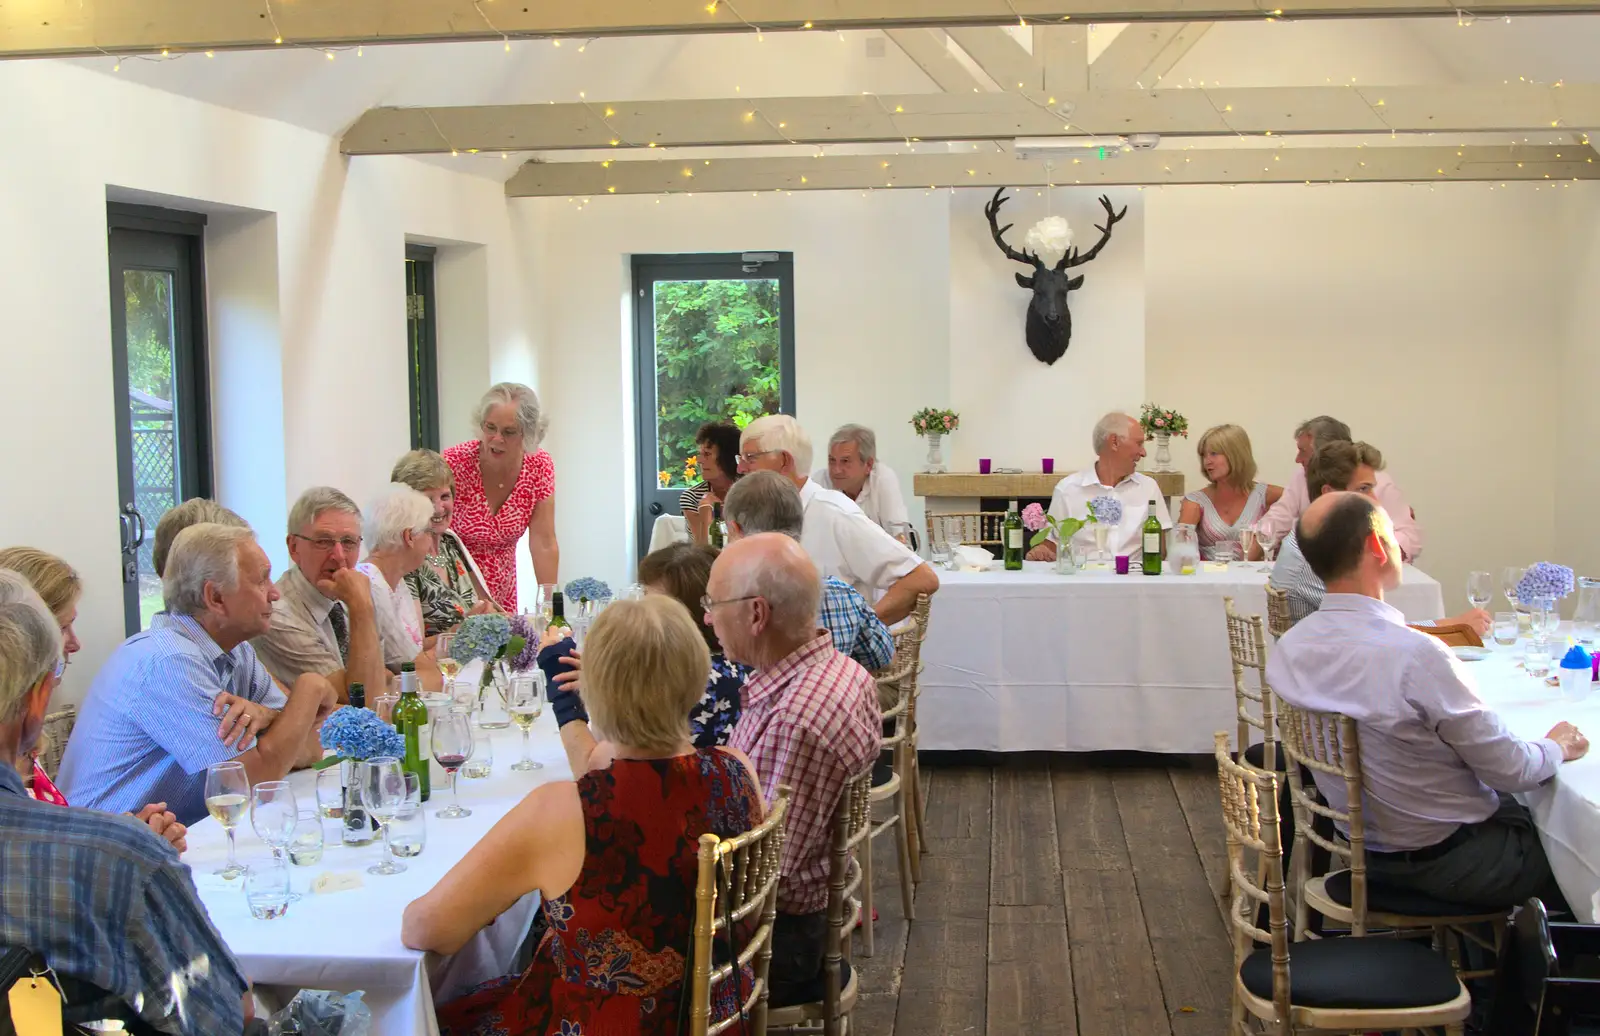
[1455, 635]
[737, 887]
[1278, 618]
[971, 528]
[1247, 649]
[832, 1010]
[894, 680]
[1536, 990]
[1339, 985]
[1328, 743]
[919, 844]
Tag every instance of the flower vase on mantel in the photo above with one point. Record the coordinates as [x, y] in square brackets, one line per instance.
[935, 464]
[1163, 451]
[934, 424]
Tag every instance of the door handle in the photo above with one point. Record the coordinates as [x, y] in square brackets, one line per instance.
[655, 508]
[134, 529]
[124, 532]
[139, 537]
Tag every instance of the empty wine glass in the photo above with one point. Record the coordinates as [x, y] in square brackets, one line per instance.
[452, 745]
[383, 792]
[1480, 589]
[273, 815]
[525, 703]
[939, 548]
[1509, 578]
[227, 795]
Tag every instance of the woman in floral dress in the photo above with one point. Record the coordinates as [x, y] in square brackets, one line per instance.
[448, 586]
[613, 853]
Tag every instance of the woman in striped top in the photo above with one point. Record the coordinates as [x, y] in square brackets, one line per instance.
[719, 451]
[1232, 499]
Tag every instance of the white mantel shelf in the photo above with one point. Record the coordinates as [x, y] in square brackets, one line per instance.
[970, 484]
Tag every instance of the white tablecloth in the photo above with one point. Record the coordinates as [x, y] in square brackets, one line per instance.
[351, 940]
[1034, 661]
[1566, 810]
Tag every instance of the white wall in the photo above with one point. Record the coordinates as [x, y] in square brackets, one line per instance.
[1578, 400]
[315, 335]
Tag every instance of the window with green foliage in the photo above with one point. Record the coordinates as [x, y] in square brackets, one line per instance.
[717, 359]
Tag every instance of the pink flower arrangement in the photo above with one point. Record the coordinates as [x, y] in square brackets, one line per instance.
[1033, 518]
[933, 421]
[1158, 420]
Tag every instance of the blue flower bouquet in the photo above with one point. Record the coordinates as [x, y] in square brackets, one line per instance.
[587, 589]
[1545, 582]
[494, 640]
[357, 734]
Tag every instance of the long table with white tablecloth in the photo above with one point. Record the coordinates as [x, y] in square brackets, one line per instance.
[351, 940]
[1035, 661]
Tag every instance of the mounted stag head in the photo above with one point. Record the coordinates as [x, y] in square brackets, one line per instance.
[1049, 320]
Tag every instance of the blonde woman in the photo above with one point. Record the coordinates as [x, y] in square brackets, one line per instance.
[448, 585]
[59, 586]
[1232, 499]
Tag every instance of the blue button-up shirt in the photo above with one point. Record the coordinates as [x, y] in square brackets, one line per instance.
[105, 901]
[146, 732]
[857, 631]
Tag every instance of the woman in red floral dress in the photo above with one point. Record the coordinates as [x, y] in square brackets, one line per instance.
[505, 487]
[614, 853]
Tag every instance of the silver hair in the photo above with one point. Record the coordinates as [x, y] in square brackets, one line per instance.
[397, 509]
[530, 414]
[1115, 423]
[793, 591]
[765, 501]
[316, 500]
[30, 642]
[780, 432]
[204, 553]
[866, 442]
[1323, 430]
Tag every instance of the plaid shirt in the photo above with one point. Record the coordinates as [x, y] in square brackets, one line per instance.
[857, 630]
[106, 902]
[810, 721]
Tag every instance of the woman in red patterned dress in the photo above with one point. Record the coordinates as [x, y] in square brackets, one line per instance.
[614, 854]
[506, 486]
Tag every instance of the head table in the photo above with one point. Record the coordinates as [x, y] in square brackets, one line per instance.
[1035, 661]
[351, 940]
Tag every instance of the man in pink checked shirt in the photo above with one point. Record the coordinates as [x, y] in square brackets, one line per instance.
[810, 721]
[1279, 520]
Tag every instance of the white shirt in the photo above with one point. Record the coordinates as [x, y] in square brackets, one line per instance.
[399, 617]
[845, 544]
[1279, 520]
[881, 499]
[1433, 754]
[1071, 500]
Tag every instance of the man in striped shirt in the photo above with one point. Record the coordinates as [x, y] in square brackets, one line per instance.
[100, 899]
[810, 722]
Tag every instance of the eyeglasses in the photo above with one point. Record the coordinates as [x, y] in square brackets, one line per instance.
[746, 458]
[706, 603]
[351, 544]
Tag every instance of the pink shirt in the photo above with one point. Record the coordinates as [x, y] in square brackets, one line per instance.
[1279, 520]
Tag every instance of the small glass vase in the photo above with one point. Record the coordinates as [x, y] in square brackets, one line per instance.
[1163, 451]
[492, 711]
[357, 827]
[1066, 563]
[935, 464]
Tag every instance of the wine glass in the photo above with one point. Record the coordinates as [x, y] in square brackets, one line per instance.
[547, 603]
[383, 792]
[410, 825]
[525, 704]
[273, 815]
[1247, 542]
[1509, 578]
[452, 744]
[1480, 589]
[330, 791]
[448, 666]
[305, 850]
[227, 795]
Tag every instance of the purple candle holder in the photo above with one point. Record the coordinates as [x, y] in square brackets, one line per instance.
[983, 465]
[1048, 465]
[1122, 564]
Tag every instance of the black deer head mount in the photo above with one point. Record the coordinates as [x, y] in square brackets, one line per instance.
[1049, 320]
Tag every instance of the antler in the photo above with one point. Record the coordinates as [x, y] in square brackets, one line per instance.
[1071, 257]
[992, 210]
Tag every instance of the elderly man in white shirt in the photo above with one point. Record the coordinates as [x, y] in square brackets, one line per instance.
[854, 470]
[837, 535]
[1279, 520]
[1437, 764]
[1118, 448]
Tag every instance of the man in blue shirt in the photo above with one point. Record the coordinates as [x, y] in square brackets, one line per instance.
[148, 728]
[100, 898]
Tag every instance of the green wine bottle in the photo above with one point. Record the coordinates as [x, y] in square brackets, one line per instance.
[558, 607]
[718, 534]
[358, 696]
[1152, 542]
[411, 720]
[1011, 538]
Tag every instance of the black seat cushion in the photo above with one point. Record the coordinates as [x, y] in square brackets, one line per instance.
[1387, 899]
[806, 991]
[1256, 755]
[1361, 974]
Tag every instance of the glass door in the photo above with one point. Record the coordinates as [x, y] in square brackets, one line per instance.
[163, 454]
[713, 341]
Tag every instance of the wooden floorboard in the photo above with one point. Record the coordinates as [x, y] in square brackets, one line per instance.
[1196, 788]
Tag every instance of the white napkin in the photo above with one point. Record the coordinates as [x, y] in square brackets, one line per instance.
[971, 559]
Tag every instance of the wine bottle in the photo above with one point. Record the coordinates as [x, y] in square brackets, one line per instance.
[411, 720]
[718, 534]
[558, 608]
[1152, 542]
[1011, 538]
[358, 696]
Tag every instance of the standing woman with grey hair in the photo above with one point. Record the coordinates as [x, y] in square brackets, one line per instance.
[505, 486]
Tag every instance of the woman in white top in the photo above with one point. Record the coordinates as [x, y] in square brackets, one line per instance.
[398, 528]
[1232, 499]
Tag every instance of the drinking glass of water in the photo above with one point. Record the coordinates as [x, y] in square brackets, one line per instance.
[410, 834]
[266, 888]
[330, 791]
[1536, 660]
[1505, 628]
[481, 763]
[305, 848]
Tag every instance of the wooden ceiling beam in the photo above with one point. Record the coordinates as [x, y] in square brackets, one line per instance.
[929, 49]
[1142, 54]
[1242, 111]
[1199, 166]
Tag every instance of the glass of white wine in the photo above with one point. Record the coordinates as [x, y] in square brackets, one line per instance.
[305, 849]
[330, 792]
[448, 666]
[227, 795]
[525, 705]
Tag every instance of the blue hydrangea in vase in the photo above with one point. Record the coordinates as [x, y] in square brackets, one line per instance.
[1539, 590]
[1104, 513]
[353, 736]
[505, 645]
[585, 598]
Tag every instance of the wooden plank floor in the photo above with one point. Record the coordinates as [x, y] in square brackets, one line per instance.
[1073, 895]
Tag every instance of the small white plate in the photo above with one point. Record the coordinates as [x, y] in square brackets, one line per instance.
[1471, 654]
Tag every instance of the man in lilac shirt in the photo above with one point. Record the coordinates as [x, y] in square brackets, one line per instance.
[1439, 766]
[1280, 517]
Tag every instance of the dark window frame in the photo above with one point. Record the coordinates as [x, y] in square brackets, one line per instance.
[422, 348]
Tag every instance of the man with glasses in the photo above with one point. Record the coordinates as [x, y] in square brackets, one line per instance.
[324, 621]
